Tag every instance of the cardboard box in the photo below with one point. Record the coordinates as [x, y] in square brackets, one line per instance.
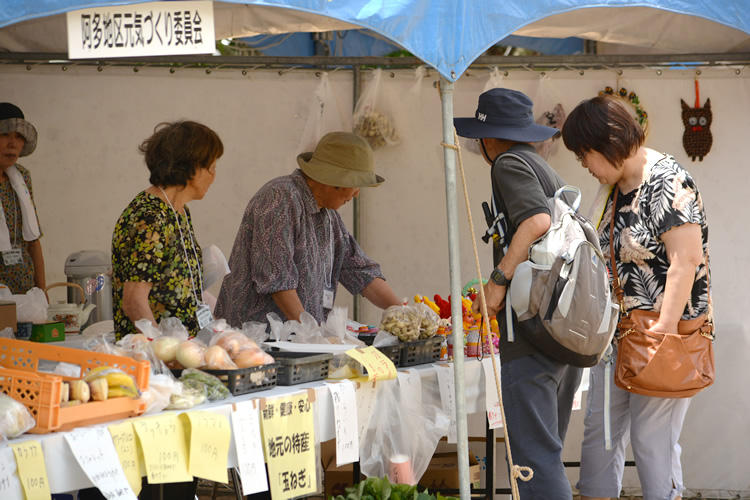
[8, 314]
[335, 479]
[48, 332]
[442, 473]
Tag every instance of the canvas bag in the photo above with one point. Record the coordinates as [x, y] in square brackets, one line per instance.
[561, 293]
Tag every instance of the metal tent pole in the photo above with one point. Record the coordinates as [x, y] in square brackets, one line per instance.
[449, 156]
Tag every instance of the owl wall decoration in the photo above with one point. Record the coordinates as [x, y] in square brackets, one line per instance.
[697, 138]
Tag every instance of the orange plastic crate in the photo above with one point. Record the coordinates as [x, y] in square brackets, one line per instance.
[40, 391]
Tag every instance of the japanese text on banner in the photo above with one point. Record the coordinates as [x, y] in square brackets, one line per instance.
[147, 29]
[289, 444]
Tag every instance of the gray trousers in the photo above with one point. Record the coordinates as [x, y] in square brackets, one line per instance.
[538, 399]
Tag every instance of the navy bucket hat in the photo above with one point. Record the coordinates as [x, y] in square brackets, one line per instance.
[504, 114]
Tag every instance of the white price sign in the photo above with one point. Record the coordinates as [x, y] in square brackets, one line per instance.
[10, 486]
[247, 441]
[447, 386]
[95, 453]
[142, 29]
[345, 420]
[492, 403]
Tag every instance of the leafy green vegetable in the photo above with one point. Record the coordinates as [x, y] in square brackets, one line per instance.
[380, 488]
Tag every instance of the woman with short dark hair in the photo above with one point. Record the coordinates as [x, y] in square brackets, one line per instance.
[156, 260]
[660, 245]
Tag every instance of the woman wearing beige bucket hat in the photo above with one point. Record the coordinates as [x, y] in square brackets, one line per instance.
[22, 262]
[293, 249]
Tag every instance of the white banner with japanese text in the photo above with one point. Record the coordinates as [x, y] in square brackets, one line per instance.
[145, 29]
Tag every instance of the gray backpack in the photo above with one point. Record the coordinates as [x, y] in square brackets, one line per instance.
[562, 291]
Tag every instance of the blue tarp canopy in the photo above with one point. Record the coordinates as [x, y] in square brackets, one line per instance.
[447, 35]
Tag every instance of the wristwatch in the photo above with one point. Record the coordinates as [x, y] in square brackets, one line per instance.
[498, 277]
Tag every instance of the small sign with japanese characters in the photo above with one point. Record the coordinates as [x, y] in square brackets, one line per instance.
[95, 453]
[492, 402]
[209, 444]
[289, 444]
[164, 446]
[144, 29]
[123, 437]
[379, 366]
[345, 421]
[10, 486]
[249, 446]
[32, 471]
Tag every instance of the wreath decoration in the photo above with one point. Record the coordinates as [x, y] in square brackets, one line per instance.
[631, 98]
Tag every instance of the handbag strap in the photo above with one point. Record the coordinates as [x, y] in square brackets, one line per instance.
[619, 292]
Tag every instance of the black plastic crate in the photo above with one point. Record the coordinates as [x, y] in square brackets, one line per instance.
[244, 380]
[300, 367]
[392, 352]
[419, 352]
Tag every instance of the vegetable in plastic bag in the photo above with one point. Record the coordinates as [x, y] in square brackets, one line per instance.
[15, 418]
[215, 389]
[190, 393]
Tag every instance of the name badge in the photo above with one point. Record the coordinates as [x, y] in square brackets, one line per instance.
[203, 313]
[12, 257]
[328, 299]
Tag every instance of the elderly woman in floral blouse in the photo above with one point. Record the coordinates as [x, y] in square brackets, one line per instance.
[292, 249]
[156, 259]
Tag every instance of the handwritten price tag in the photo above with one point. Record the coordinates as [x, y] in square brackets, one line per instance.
[247, 441]
[31, 470]
[10, 486]
[164, 446]
[209, 444]
[345, 421]
[448, 396]
[95, 452]
[123, 437]
[492, 403]
[379, 366]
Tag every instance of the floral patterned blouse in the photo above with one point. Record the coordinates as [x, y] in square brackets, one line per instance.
[146, 246]
[20, 277]
[666, 199]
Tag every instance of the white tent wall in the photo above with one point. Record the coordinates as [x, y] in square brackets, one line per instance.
[87, 168]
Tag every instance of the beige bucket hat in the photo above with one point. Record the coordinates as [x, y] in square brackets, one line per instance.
[341, 159]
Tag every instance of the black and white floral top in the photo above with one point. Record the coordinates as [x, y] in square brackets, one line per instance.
[666, 199]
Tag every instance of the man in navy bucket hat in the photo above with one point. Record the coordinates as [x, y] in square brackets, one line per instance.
[537, 390]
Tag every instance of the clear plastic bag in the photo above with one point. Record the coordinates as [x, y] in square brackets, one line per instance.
[373, 115]
[31, 307]
[15, 418]
[401, 438]
[324, 115]
[161, 386]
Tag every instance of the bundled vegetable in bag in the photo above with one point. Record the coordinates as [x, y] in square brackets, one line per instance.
[373, 115]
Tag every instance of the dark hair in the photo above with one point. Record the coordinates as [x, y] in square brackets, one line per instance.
[602, 124]
[176, 150]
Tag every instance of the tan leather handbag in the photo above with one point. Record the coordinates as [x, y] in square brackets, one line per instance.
[665, 365]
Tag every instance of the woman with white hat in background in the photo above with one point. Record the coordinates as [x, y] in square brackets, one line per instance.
[22, 262]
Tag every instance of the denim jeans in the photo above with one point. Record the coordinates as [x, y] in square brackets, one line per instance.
[538, 400]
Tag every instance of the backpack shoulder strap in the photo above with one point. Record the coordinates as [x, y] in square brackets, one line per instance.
[541, 175]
